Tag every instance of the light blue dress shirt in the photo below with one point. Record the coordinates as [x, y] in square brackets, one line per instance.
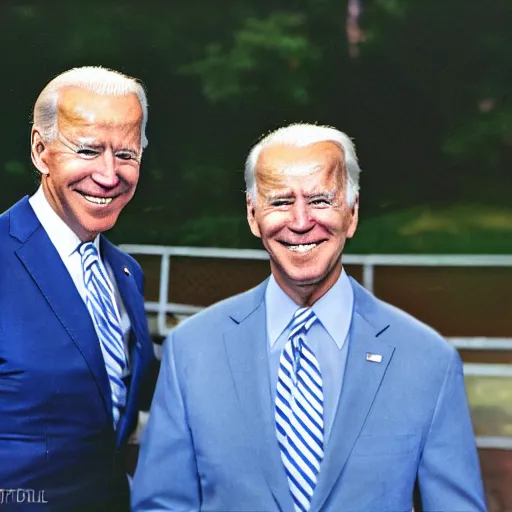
[328, 338]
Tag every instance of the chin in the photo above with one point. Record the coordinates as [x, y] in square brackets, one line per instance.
[312, 277]
[96, 228]
[310, 281]
[301, 278]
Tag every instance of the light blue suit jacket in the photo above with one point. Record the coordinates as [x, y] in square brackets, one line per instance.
[210, 443]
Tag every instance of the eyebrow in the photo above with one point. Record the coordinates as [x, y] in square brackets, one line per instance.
[127, 150]
[328, 194]
[95, 145]
[275, 197]
[89, 145]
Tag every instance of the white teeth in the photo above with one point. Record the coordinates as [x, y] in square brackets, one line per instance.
[98, 200]
[302, 248]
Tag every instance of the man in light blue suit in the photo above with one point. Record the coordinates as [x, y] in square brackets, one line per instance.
[74, 341]
[307, 392]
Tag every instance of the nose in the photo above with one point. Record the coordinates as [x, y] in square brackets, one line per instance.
[105, 173]
[301, 219]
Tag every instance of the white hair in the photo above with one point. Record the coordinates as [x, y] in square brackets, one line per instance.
[302, 135]
[95, 79]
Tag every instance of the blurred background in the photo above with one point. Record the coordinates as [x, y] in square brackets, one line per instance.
[423, 87]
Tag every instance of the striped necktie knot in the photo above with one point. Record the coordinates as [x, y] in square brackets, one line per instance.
[90, 256]
[300, 324]
[302, 320]
[88, 250]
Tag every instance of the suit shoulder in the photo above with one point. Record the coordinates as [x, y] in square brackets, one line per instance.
[8, 243]
[418, 336]
[219, 317]
[4, 222]
[405, 329]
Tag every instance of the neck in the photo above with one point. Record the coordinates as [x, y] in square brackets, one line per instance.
[306, 294]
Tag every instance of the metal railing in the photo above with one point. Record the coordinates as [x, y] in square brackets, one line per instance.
[368, 263]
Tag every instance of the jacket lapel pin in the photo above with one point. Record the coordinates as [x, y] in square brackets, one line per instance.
[126, 270]
[374, 358]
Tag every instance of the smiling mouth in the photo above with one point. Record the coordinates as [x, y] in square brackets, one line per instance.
[301, 248]
[104, 201]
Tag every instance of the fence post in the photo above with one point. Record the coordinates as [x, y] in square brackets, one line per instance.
[368, 276]
[163, 294]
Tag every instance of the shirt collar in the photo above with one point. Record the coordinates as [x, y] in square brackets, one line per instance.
[334, 309]
[61, 235]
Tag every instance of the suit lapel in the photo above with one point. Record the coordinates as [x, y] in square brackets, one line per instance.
[247, 353]
[124, 275]
[44, 264]
[360, 385]
[122, 268]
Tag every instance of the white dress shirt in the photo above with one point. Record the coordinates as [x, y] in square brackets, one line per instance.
[328, 338]
[66, 242]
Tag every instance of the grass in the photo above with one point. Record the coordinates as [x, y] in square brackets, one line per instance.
[490, 399]
[458, 229]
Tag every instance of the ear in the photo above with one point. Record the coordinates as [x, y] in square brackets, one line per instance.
[251, 216]
[38, 151]
[354, 219]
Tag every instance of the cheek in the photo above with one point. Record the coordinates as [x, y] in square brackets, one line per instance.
[130, 175]
[272, 223]
[331, 220]
[68, 171]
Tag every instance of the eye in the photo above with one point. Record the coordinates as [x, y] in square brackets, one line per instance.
[125, 156]
[320, 202]
[87, 152]
[280, 202]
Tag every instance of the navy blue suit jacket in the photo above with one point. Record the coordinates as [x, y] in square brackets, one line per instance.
[56, 428]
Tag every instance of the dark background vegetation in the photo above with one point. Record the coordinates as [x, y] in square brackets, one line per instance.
[425, 93]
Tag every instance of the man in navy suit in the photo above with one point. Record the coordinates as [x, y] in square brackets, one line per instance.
[74, 349]
[307, 392]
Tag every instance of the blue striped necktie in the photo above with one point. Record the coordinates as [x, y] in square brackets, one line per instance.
[300, 411]
[100, 303]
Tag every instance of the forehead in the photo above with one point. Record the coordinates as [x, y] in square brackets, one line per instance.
[78, 107]
[278, 163]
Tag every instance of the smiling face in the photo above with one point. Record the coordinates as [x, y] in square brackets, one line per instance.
[302, 217]
[91, 169]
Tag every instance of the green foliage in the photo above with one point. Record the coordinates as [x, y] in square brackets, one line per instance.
[395, 8]
[215, 231]
[484, 131]
[15, 168]
[427, 101]
[458, 229]
[278, 41]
